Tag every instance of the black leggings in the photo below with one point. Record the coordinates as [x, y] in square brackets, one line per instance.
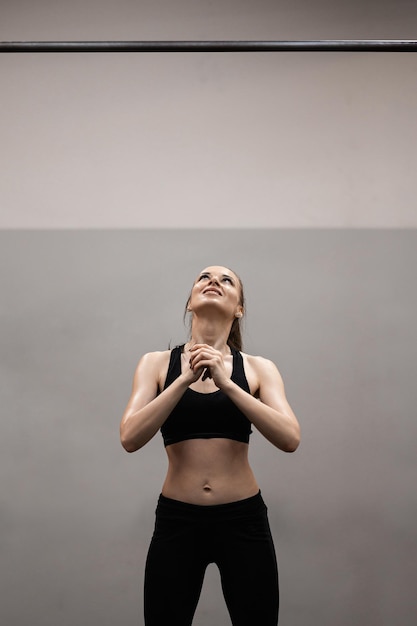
[187, 538]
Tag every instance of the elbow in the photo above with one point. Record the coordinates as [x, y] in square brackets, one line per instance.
[128, 444]
[291, 446]
[292, 442]
[132, 444]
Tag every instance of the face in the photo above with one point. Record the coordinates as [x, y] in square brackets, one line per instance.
[220, 286]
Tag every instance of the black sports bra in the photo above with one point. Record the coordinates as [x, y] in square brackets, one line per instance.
[205, 415]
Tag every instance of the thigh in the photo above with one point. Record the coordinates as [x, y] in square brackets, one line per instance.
[249, 573]
[174, 575]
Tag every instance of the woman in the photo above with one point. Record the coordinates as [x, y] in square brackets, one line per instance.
[204, 396]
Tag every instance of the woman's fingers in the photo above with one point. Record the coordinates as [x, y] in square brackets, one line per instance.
[205, 358]
[211, 360]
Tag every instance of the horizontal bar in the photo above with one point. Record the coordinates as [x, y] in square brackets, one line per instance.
[343, 45]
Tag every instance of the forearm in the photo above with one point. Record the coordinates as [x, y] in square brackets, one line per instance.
[279, 428]
[138, 427]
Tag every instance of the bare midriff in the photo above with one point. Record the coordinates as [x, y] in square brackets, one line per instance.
[209, 471]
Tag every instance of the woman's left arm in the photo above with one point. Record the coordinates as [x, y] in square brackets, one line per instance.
[271, 414]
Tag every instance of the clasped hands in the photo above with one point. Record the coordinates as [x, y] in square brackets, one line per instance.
[207, 362]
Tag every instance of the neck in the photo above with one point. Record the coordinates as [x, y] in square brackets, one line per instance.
[212, 332]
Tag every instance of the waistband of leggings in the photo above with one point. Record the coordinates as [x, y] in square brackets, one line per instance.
[247, 506]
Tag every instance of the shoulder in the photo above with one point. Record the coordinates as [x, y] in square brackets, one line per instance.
[260, 366]
[152, 369]
[153, 362]
[150, 358]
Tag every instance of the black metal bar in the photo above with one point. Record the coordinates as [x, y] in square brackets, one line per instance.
[342, 45]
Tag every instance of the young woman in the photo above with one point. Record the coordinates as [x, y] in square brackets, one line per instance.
[205, 396]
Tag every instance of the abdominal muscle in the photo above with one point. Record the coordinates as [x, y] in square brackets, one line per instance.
[209, 471]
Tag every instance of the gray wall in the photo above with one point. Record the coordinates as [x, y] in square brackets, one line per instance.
[335, 309]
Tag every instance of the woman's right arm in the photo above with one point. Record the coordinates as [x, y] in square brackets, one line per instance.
[146, 411]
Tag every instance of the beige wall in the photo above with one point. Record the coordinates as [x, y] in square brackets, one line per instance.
[208, 140]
